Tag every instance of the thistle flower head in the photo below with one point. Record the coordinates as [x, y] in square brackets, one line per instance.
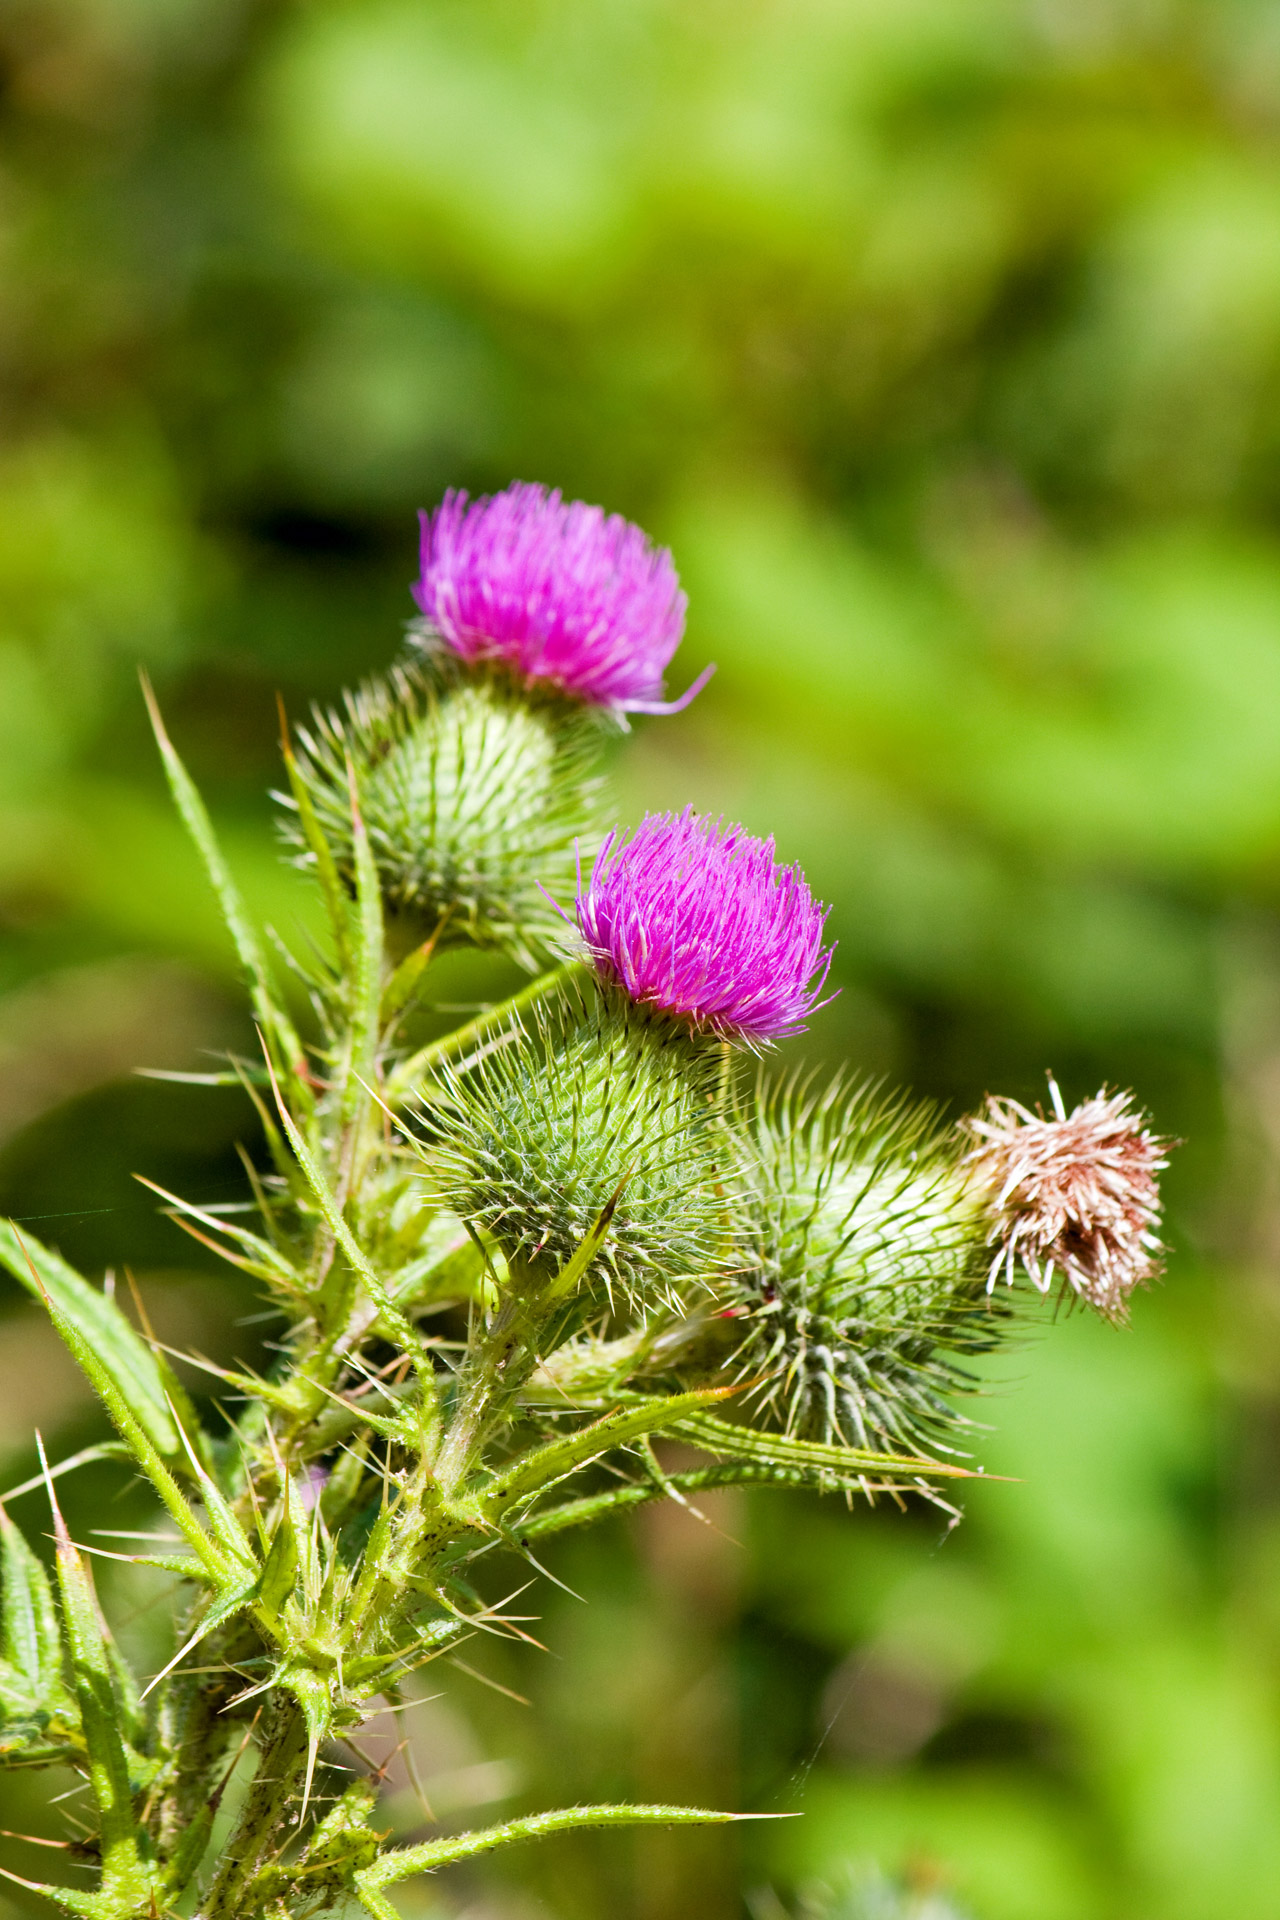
[473, 794]
[561, 594]
[696, 919]
[1075, 1194]
[865, 1277]
[595, 1106]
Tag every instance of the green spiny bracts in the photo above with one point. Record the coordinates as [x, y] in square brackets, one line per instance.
[596, 1101]
[867, 1274]
[474, 791]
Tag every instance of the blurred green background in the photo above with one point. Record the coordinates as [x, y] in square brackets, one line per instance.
[941, 341]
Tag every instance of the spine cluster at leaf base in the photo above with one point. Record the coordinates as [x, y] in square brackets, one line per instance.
[583, 1221]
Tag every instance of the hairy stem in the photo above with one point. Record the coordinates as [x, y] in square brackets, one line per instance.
[263, 1821]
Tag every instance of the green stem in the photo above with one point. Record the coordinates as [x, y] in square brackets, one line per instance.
[261, 1828]
[406, 1861]
[490, 1377]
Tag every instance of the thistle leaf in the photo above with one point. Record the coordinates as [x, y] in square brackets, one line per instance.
[320, 851]
[366, 976]
[32, 1640]
[280, 1571]
[227, 1601]
[593, 1507]
[745, 1443]
[542, 1466]
[117, 1403]
[274, 1020]
[403, 983]
[144, 1385]
[125, 1876]
[393, 1318]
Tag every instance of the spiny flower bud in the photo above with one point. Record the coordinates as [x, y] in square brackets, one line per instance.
[696, 919]
[1076, 1194]
[601, 1102]
[563, 595]
[474, 793]
[866, 1272]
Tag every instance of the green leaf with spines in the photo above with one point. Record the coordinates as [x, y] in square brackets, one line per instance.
[319, 852]
[271, 1015]
[128, 1878]
[590, 1508]
[32, 1639]
[210, 1552]
[396, 1324]
[543, 1466]
[365, 982]
[39, 1717]
[144, 1382]
[259, 1257]
[746, 1443]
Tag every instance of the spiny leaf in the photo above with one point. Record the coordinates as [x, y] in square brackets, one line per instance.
[387, 1308]
[196, 819]
[745, 1443]
[326, 867]
[734, 1473]
[227, 1602]
[140, 1444]
[366, 975]
[403, 983]
[230, 1534]
[120, 1353]
[542, 1466]
[264, 1261]
[91, 1906]
[314, 1694]
[126, 1879]
[280, 1571]
[31, 1637]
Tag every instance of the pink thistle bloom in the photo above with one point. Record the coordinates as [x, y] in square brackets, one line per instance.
[697, 919]
[563, 594]
[1076, 1194]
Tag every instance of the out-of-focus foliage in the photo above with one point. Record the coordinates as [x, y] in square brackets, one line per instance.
[941, 339]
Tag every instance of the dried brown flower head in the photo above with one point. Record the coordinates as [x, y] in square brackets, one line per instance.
[1074, 1194]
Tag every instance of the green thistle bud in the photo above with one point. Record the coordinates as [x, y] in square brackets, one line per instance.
[867, 1274]
[601, 1101]
[474, 790]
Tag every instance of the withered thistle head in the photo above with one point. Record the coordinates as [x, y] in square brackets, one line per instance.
[1074, 1194]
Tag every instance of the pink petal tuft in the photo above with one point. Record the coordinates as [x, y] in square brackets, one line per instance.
[564, 594]
[696, 918]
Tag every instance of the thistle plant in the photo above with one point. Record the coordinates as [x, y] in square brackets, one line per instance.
[511, 1259]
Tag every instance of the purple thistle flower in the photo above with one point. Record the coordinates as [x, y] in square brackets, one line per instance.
[564, 594]
[696, 918]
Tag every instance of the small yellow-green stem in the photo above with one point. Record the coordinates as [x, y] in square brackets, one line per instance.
[405, 1861]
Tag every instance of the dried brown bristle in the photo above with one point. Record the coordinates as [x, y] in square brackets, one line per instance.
[1074, 1194]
